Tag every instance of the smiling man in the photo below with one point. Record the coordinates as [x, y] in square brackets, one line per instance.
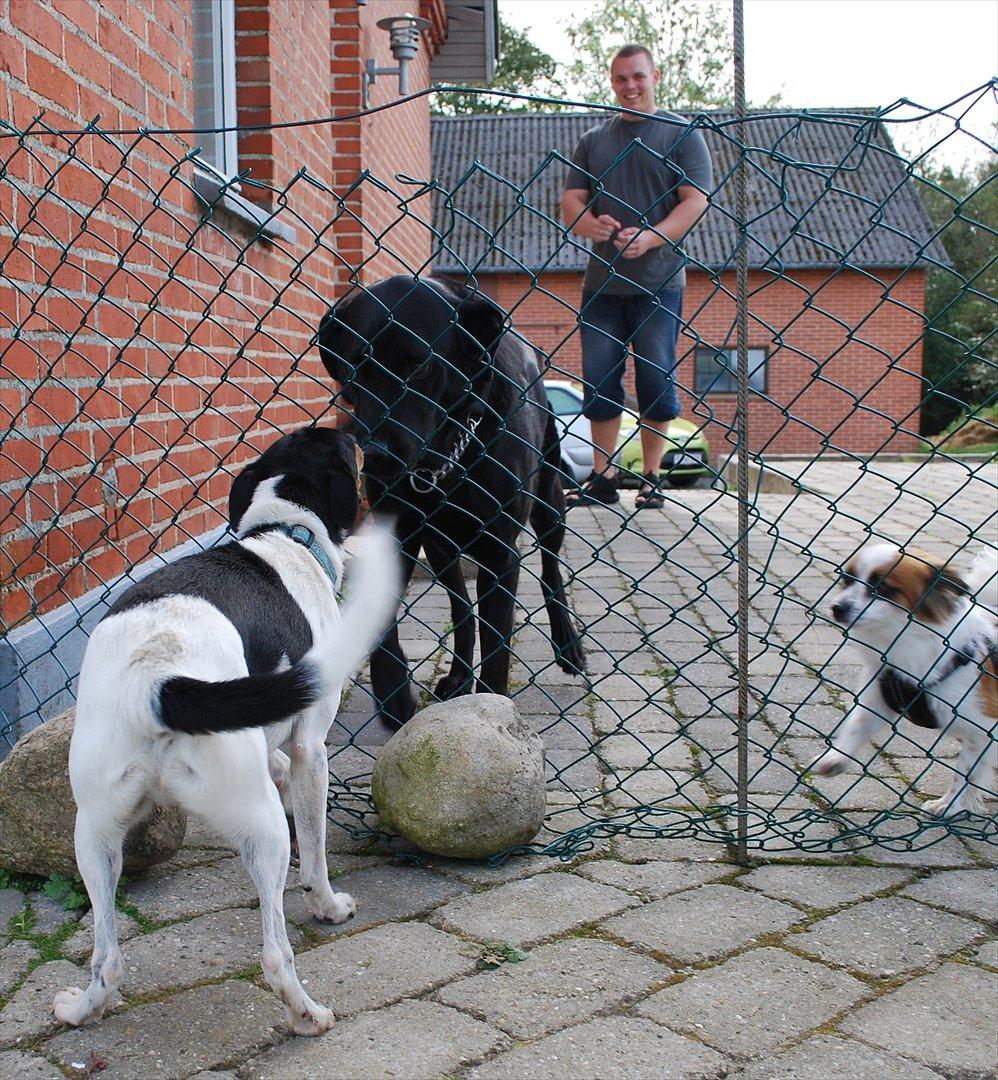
[636, 187]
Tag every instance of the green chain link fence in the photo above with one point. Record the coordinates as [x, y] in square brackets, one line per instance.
[151, 343]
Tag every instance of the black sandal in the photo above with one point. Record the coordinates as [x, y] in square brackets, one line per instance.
[649, 497]
[596, 488]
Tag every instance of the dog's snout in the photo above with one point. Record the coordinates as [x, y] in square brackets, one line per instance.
[840, 609]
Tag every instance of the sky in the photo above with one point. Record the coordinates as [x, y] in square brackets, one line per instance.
[840, 53]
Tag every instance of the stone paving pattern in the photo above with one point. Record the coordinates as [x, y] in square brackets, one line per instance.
[646, 956]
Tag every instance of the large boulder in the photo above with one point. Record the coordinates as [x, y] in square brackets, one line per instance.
[463, 778]
[38, 814]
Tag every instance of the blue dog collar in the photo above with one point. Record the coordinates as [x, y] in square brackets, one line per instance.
[304, 536]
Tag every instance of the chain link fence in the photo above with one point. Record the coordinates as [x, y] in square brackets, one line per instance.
[154, 338]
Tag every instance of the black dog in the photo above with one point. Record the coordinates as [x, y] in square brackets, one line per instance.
[461, 449]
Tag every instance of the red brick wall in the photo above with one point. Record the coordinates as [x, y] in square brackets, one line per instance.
[143, 354]
[846, 366]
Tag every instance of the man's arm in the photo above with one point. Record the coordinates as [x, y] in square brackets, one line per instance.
[581, 220]
[692, 205]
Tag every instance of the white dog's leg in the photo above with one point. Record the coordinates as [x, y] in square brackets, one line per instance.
[850, 737]
[309, 789]
[98, 855]
[972, 773]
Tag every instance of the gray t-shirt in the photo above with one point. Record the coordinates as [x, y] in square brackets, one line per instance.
[639, 166]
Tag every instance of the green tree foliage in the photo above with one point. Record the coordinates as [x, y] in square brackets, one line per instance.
[522, 68]
[690, 40]
[961, 343]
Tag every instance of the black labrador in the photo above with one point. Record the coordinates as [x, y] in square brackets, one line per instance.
[461, 449]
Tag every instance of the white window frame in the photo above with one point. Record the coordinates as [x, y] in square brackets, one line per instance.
[214, 173]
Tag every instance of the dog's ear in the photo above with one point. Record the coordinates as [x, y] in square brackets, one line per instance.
[483, 320]
[333, 339]
[241, 494]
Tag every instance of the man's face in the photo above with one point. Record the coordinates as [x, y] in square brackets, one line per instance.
[634, 79]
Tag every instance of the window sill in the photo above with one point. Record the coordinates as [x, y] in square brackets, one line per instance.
[215, 193]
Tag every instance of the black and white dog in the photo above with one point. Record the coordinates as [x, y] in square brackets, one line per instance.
[461, 449]
[929, 643]
[201, 672]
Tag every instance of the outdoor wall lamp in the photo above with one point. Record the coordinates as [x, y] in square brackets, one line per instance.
[403, 34]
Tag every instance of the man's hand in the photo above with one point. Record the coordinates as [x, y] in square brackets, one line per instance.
[634, 242]
[603, 228]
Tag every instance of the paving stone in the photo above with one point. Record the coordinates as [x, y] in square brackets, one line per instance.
[653, 879]
[410, 1041]
[383, 965]
[49, 916]
[16, 1065]
[655, 787]
[478, 873]
[208, 947]
[754, 1002]
[614, 1048]
[969, 892]
[988, 954]
[636, 849]
[189, 1032]
[558, 984]
[826, 1058]
[28, 1014]
[12, 903]
[14, 961]
[383, 893]
[526, 911]
[197, 890]
[823, 886]
[81, 944]
[948, 1020]
[702, 923]
[885, 937]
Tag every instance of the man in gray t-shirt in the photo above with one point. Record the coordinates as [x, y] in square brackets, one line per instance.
[637, 184]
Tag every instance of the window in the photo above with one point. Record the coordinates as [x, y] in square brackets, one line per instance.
[563, 402]
[215, 82]
[214, 24]
[717, 370]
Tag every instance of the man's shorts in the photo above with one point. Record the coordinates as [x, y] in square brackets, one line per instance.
[608, 326]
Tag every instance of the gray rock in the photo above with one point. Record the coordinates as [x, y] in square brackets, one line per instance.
[20, 1066]
[533, 909]
[702, 923]
[754, 1002]
[184, 1034]
[15, 959]
[615, 1048]
[38, 814]
[947, 1019]
[885, 937]
[28, 1014]
[416, 1040]
[827, 1058]
[463, 778]
[559, 984]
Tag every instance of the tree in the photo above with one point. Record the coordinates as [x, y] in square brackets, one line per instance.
[691, 43]
[960, 362]
[522, 68]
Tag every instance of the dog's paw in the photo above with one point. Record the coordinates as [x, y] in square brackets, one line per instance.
[949, 805]
[336, 908]
[69, 1006]
[829, 763]
[313, 1020]
[572, 659]
[454, 685]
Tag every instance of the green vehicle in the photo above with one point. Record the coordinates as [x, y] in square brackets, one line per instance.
[685, 461]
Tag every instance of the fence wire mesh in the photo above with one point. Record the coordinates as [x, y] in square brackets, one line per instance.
[154, 338]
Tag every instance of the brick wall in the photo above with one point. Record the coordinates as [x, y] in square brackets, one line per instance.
[146, 353]
[843, 369]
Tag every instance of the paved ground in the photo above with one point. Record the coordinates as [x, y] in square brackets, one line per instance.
[649, 953]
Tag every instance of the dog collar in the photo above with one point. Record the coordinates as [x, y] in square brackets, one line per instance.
[304, 536]
[906, 696]
[423, 481]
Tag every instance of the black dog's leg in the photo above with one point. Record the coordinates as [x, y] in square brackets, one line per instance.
[445, 562]
[390, 680]
[496, 599]
[547, 516]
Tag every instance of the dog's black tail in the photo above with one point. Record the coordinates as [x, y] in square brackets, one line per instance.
[198, 707]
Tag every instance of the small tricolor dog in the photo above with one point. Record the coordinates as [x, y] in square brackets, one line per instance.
[929, 640]
[202, 675]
